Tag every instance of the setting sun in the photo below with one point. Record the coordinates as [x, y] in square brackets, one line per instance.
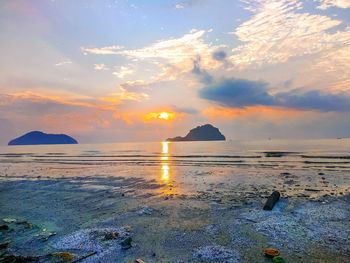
[164, 116]
[160, 115]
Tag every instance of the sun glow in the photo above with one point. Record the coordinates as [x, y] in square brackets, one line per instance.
[160, 115]
[164, 115]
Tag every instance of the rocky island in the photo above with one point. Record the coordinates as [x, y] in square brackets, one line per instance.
[205, 132]
[38, 137]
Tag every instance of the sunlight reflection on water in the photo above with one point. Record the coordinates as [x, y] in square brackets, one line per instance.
[165, 170]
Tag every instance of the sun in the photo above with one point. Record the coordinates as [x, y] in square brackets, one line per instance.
[164, 115]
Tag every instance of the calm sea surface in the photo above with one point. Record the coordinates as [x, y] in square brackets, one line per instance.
[302, 154]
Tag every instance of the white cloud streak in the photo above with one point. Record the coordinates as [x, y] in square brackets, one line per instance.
[277, 32]
[325, 4]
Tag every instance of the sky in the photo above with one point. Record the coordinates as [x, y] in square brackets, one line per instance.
[136, 70]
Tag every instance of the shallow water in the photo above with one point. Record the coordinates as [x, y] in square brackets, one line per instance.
[178, 199]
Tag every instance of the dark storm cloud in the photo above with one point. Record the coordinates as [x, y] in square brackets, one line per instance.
[242, 93]
[238, 93]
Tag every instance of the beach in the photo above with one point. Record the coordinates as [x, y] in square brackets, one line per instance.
[178, 202]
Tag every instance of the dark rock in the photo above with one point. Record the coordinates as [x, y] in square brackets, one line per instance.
[110, 236]
[37, 137]
[205, 132]
[46, 236]
[4, 245]
[272, 200]
[18, 259]
[65, 256]
[126, 243]
[4, 227]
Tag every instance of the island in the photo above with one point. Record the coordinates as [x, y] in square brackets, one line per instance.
[38, 137]
[205, 132]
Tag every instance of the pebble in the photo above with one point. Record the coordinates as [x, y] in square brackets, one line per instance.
[65, 256]
[271, 252]
[126, 243]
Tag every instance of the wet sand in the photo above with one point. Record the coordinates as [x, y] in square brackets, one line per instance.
[214, 215]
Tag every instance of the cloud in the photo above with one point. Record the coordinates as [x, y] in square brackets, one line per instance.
[173, 56]
[123, 72]
[110, 50]
[325, 4]
[100, 67]
[134, 85]
[185, 4]
[240, 93]
[279, 30]
[314, 100]
[180, 6]
[204, 76]
[62, 63]
[219, 55]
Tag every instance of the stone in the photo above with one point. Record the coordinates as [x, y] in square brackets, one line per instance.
[19, 259]
[272, 200]
[46, 236]
[4, 245]
[271, 252]
[4, 227]
[110, 236]
[9, 220]
[126, 243]
[65, 256]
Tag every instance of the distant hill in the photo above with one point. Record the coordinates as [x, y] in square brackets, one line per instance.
[205, 132]
[38, 137]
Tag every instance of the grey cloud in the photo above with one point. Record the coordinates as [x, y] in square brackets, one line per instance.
[219, 55]
[242, 93]
[238, 93]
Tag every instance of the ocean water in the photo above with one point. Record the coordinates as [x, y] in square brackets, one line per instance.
[182, 163]
[177, 197]
[307, 154]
